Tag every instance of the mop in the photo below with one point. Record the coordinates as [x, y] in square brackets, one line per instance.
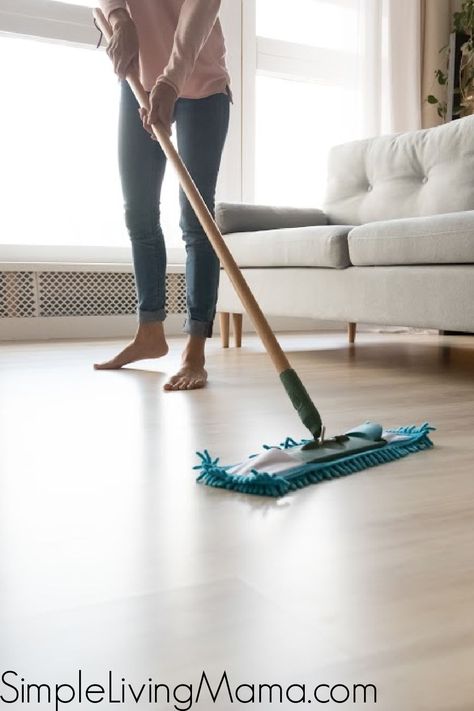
[292, 464]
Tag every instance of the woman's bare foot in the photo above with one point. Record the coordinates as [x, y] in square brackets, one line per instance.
[192, 375]
[189, 377]
[149, 342]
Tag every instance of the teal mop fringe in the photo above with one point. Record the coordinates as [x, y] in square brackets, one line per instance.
[212, 473]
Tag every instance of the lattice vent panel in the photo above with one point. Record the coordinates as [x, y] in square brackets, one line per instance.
[17, 295]
[70, 293]
[175, 293]
[85, 293]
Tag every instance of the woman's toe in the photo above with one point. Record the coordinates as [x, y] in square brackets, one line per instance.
[173, 383]
[187, 380]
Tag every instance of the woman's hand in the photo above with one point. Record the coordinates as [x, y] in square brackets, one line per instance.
[162, 102]
[123, 45]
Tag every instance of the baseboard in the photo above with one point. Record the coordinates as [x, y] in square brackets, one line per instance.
[73, 327]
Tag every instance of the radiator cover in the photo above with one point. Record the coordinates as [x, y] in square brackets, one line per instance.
[50, 293]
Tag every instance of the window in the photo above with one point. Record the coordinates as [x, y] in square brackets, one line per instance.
[58, 142]
[58, 147]
[306, 89]
[58, 136]
[315, 23]
[291, 156]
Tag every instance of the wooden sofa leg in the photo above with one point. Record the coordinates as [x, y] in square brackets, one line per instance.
[237, 320]
[224, 320]
[351, 332]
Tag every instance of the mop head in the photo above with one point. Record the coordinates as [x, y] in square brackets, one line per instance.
[293, 465]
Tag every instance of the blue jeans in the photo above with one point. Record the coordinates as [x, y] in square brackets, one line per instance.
[201, 127]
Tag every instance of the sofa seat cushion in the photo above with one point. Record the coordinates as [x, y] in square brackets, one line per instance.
[323, 246]
[439, 239]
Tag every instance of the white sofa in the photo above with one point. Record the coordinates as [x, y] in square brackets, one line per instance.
[393, 245]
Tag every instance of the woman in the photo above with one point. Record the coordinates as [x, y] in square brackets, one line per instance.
[180, 49]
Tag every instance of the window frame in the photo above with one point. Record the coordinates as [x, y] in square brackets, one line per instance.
[49, 20]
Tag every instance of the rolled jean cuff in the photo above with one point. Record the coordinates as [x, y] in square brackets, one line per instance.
[203, 329]
[150, 316]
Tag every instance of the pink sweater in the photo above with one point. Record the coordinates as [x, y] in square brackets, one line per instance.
[181, 43]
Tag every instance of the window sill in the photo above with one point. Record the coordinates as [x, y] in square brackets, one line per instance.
[14, 257]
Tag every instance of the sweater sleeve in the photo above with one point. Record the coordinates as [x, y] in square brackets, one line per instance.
[196, 21]
[108, 6]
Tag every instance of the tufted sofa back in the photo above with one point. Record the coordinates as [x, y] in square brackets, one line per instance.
[414, 174]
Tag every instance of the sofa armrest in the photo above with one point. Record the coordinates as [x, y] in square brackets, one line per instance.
[237, 217]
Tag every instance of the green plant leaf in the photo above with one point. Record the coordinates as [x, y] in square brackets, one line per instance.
[432, 99]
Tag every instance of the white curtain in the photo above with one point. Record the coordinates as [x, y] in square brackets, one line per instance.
[389, 72]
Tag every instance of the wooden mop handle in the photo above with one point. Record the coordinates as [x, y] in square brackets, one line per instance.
[209, 225]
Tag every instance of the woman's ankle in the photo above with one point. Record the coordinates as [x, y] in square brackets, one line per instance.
[150, 331]
[194, 350]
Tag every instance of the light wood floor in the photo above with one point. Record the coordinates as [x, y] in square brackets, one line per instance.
[111, 557]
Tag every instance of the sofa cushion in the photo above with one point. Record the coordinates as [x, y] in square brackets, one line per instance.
[413, 174]
[441, 239]
[241, 217]
[323, 246]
